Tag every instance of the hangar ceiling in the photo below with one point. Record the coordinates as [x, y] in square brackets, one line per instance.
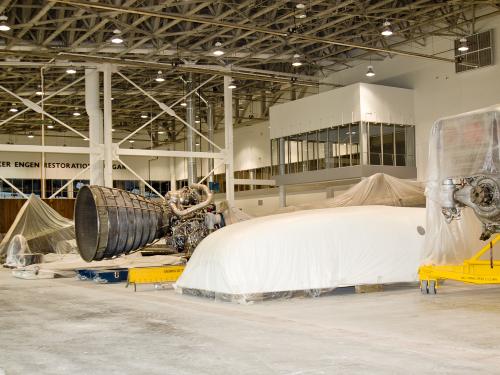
[260, 41]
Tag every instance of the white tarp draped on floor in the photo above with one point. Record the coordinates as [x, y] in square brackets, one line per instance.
[378, 189]
[313, 249]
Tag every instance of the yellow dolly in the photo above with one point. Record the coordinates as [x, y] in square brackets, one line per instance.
[153, 275]
[473, 270]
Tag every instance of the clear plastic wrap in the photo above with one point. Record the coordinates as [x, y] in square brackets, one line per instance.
[16, 252]
[44, 229]
[459, 146]
[378, 189]
[309, 252]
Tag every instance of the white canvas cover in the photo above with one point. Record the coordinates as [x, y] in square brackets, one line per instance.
[44, 229]
[309, 250]
[378, 189]
[460, 146]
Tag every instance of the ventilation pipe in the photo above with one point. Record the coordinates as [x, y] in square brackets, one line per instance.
[92, 106]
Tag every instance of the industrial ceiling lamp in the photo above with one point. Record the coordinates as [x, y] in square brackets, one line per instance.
[218, 49]
[296, 60]
[50, 126]
[231, 85]
[30, 135]
[13, 109]
[370, 72]
[184, 104]
[386, 31]
[76, 113]
[117, 38]
[71, 70]
[159, 77]
[39, 91]
[144, 115]
[463, 45]
[3, 23]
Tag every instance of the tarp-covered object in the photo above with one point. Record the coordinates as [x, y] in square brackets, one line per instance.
[45, 230]
[378, 189]
[309, 250]
[459, 146]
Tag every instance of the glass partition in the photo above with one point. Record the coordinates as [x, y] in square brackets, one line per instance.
[340, 146]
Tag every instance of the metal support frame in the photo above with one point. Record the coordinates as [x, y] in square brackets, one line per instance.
[473, 270]
[101, 147]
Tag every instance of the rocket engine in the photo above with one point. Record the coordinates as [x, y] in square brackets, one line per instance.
[111, 222]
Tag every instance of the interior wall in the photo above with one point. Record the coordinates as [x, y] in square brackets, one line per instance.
[438, 90]
[251, 150]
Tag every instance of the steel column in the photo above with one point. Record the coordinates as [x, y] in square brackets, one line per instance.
[190, 118]
[228, 136]
[210, 134]
[282, 189]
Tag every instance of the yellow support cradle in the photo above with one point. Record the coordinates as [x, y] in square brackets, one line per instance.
[154, 275]
[473, 270]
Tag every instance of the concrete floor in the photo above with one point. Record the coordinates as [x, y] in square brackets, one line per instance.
[66, 326]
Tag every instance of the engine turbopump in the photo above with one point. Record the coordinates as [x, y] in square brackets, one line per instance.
[479, 192]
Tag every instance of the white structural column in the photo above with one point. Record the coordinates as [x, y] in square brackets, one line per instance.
[173, 177]
[190, 118]
[92, 106]
[210, 135]
[282, 188]
[108, 128]
[228, 136]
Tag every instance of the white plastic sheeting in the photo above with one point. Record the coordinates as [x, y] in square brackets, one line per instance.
[45, 230]
[460, 146]
[378, 189]
[309, 250]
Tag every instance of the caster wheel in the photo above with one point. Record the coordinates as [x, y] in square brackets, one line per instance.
[432, 287]
[424, 287]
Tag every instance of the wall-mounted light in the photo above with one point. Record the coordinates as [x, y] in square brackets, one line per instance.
[386, 31]
[159, 77]
[218, 51]
[370, 72]
[117, 37]
[3, 23]
[463, 45]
